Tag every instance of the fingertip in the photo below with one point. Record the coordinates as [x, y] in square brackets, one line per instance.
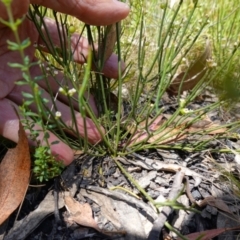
[89, 130]
[105, 12]
[63, 153]
[123, 8]
[95, 137]
[111, 67]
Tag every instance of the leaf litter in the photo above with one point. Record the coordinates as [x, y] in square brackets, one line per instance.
[14, 176]
[116, 213]
[119, 213]
[80, 213]
[188, 79]
[174, 133]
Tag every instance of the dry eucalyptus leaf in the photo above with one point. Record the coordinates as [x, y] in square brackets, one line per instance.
[80, 213]
[203, 124]
[108, 42]
[209, 234]
[189, 79]
[14, 176]
[217, 203]
[78, 152]
[174, 133]
[168, 134]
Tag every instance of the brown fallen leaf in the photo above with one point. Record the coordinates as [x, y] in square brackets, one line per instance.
[166, 136]
[174, 133]
[80, 213]
[187, 80]
[109, 39]
[14, 176]
[209, 234]
[203, 124]
[217, 203]
[78, 152]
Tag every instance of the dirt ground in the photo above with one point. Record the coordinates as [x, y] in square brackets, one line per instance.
[94, 199]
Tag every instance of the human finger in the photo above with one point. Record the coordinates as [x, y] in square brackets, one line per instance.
[80, 48]
[56, 79]
[9, 126]
[85, 126]
[93, 12]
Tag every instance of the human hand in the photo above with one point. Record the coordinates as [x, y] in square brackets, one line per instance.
[101, 12]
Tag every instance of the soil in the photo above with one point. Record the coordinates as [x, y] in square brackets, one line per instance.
[118, 210]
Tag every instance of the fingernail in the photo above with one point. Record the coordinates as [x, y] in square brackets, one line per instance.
[122, 4]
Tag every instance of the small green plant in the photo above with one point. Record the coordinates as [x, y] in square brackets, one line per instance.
[45, 164]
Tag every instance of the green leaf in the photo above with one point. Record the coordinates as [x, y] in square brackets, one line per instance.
[55, 142]
[16, 65]
[45, 100]
[36, 168]
[26, 77]
[41, 178]
[31, 114]
[27, 95]
[20, 83]
[46, 135]
[27, 103]
[25, 43]
[37, 63]
[38, 162]
[6, 23]
[26, 61]
[38, 78]
[13, 46]
[18, 22]
[52, 126]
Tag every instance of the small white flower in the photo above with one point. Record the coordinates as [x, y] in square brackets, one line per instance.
[211, 63]
[71, 92]
[58, 115]
[182, 102]
[61, 90]
[186, 110]
[184, 60]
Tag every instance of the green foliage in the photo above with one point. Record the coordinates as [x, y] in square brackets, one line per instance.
[158, 42]
[45, 165]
